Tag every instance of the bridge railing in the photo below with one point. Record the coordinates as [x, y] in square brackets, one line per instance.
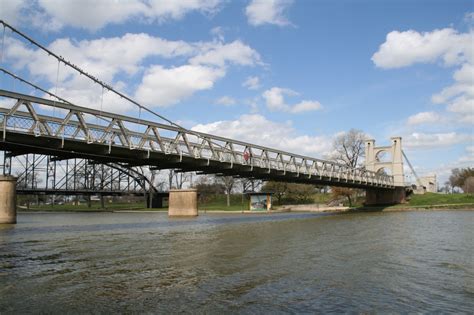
[32, 115]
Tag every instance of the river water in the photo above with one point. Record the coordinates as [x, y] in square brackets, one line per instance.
[279, 263]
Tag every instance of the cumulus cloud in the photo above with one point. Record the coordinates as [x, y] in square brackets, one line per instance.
[162, 86]
[275, 98]
[305, 106]
[219, 54]
[452, 48]
[10, 10]
[275, 101]
[435, 140]
[226, 101]
[402, 49]
[423, 118]
[128, 55]
[93, 15]
[258, 129]
[261, 12]
[252, 83]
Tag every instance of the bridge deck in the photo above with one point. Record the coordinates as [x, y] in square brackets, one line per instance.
[28, 127]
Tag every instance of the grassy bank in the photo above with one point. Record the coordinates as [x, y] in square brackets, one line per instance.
[237, 203]
[431, 201]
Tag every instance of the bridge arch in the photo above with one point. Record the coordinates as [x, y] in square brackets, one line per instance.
[383, 156]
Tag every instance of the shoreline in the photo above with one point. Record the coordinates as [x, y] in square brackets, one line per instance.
[427, 208]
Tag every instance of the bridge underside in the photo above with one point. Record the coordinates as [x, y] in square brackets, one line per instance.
[20, 143]
[380, 196]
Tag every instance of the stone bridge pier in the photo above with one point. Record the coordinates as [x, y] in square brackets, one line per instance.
[388, 159]
[7, 199]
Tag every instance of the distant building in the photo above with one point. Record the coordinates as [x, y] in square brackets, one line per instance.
[430, 183]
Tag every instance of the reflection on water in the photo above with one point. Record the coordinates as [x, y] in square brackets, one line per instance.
[146, 262]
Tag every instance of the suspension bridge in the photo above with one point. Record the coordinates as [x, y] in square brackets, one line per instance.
[28, 126]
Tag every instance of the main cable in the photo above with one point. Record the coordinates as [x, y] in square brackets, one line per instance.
[96, 80]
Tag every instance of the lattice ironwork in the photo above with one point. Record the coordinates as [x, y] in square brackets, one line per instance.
[165, 146]
[44, 174]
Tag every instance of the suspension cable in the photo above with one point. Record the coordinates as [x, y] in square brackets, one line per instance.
[412, 169]
[96, 80]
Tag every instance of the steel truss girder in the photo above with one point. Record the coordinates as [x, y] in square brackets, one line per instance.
[41, 174]
[163, 146]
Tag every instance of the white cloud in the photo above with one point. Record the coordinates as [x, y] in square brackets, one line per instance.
[305, 106]
[10, 10]
[164, 9]
[218, 32]
[259, 130]
[462, 104]
[455, 49]
[219, 54]
[103, 57]
[267, 12]
[275, 98]
[423, 118]
[469, 157]
[275, 101]
[435, 140]
[402, 49]
[110, 58]
[226, 101]
[167, 86]
[252, 83]
[93, 15]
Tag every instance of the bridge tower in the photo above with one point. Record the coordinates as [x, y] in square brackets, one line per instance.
[394, 165]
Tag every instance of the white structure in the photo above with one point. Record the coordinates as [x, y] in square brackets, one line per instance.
[393, 165]
[430, 183]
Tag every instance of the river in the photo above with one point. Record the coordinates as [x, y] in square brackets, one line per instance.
[281, 263]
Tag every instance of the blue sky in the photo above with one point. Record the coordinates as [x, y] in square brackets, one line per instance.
[282, 73]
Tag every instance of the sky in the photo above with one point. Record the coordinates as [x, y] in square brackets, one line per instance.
[286, 74]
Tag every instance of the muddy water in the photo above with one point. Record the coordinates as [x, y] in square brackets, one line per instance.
[296, 263]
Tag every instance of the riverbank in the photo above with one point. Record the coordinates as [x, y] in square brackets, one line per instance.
[429, 201]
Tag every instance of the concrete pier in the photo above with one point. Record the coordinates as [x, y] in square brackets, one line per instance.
[374, 197]
[7, 199]
[183, 203]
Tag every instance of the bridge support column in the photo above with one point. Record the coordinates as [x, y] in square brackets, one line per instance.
[183, 203]
[378, 196]
[7, 199]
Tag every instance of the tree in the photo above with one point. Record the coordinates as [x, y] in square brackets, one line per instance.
[228, 182]
[206, 185]
[459, 176]
[447, 187]
[344, 192]
[348, 149]
[300, 192]
[468, 186]
[279, 189]
[177, 179]
[289, 191]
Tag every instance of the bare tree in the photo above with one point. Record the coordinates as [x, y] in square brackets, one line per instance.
[180, 178]
[228, 182]
[349, 148]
